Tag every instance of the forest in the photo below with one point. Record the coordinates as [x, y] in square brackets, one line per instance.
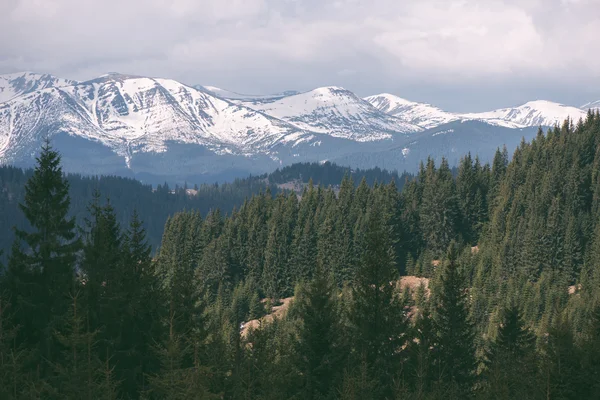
[479, 283]
[155, 204]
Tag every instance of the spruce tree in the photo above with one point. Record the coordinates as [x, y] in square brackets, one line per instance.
[455, 332]
[142, 310]
[40, 274]
[377, 316]
[319, 339]
[80, 373]
[511, 359]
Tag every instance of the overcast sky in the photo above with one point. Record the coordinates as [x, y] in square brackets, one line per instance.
[460, 55]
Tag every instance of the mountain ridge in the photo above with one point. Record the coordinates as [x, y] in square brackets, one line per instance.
[161, 126]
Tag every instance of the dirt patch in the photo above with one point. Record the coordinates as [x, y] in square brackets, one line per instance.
[278, 312]
[413, 282]
[574, 289]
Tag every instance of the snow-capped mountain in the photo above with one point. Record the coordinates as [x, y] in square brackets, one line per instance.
[420, 114]
[337, 112]
[533, 113]
[13, 85]
[154, 127]
[135, 114]
[592, 105]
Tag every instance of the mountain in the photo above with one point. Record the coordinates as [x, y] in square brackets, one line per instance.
[13, 85]
[159, 129]
[533, 113]
[336, 112]
[451, 141]
[135, 115]
[420, 114]
[592, 105]
[121, 124]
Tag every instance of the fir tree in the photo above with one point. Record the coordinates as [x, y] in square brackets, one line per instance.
[456, 338]
[377, 316]
[511, 359]
[40, 275]
[319, 339]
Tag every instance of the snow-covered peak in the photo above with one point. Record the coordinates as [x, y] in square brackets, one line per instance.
[13, 85]
[533, 113]
[421, 114]
[336, 111]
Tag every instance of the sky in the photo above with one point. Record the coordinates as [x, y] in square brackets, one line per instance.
[460, 55]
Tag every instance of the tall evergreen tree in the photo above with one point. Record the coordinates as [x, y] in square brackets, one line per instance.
[319, 339]
[40, 274]
[456, 361]
[511, 359]
[377, 316]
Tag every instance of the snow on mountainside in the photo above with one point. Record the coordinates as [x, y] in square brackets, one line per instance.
[336, 112]
[421, 114]
[533, 113]
[120, 124]
[13, 85]
[593, 105]
[130, 114]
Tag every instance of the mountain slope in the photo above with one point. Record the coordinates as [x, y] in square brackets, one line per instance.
[451, 140]
[533, 113]
[136, 114]
[13, 85]
[421, 114]
[337, 112]
[593, 105]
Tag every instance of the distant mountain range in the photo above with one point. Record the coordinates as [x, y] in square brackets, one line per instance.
[159, 129]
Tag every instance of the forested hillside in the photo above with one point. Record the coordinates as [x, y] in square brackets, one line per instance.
[155, 205]
[511, 309]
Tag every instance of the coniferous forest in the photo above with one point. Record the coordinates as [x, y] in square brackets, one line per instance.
[483, 284]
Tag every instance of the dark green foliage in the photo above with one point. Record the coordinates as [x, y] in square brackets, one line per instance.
[40, 272]
[320, 345]
[455, 361]
[511, 359]
[377, 315]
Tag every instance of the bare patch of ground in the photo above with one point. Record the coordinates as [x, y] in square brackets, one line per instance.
[278, 312]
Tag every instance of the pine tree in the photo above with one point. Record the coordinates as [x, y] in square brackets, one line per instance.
[377, 316]
[177, 380]
[591, 348]
[421, 353]
[511, 359]
[561, 365]
[106, 289]
[80, 373]
[142, 310]
[12, 374]
[319, 339]
[40, 275]
[456, 338]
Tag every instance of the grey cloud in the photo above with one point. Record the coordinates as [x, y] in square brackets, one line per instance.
[445, 50]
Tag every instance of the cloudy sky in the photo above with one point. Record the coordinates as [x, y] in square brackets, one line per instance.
[461, 55]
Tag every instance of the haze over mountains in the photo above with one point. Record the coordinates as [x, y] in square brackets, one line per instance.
[159, 129]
